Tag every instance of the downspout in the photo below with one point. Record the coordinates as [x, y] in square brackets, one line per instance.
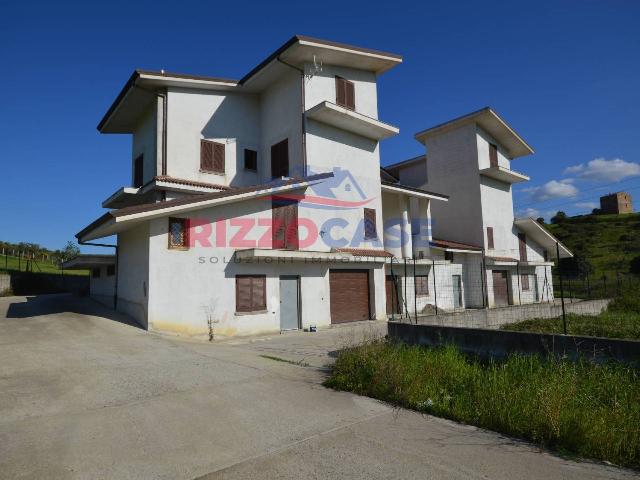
[302, 116]
[115, 287]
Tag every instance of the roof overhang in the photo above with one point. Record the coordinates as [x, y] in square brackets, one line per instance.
[504, 175]
[491, 123]
[542, 237]
[345, 119]
[120, 220]
[87, 262]
[406, 163]
[141, 90]
[399, 189]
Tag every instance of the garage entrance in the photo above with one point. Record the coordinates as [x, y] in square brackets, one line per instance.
[349, 290]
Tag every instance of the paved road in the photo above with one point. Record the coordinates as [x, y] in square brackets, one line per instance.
[85, 395]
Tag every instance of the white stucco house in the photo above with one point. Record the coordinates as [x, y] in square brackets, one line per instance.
[504, 260]
[257, 205]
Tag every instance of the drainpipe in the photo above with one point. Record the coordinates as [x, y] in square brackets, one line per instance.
[115, 287]
[302, 117]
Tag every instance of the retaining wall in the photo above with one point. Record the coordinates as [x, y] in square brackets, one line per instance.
[488, 343]
[494, 318]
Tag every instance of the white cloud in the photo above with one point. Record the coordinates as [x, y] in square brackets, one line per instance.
[529, 212]
[552, 190]
[586, 205]
[601, 169]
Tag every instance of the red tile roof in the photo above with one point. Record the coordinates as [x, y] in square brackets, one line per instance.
[436, 242]
[191, 183]
[364, 252]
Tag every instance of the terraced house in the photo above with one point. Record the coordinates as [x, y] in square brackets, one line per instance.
[504, 260]
[259, 205]
[255, 205]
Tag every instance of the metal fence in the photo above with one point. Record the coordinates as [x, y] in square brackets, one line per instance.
[482, 290]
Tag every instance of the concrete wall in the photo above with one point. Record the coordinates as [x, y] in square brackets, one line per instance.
[499, 343]
[232, 119]
[144, 143]
[187, 286]
[280, 119]
[133, 273]
[102, 288]
[322, 87]
[452, 170]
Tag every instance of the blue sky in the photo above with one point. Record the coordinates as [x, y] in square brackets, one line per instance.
[565, 75]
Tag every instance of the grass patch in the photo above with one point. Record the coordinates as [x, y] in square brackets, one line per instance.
[580, 408]
[299, 363]
[620, 320]
[10, 263]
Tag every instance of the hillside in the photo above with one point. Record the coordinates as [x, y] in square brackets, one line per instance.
[608, 242]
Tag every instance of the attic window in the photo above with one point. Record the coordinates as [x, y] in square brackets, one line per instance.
[250, 160]
[370, 231]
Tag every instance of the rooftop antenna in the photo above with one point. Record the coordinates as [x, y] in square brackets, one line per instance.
[317, 68]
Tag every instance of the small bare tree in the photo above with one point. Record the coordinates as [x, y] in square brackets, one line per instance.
[210, 315]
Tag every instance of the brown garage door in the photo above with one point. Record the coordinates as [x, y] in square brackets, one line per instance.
[500, 287]
[349, 290]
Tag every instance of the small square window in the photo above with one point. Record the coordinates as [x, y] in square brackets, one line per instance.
[422, 285]
[250, 160]
[448, 255]
[178, 233]
[370, 231]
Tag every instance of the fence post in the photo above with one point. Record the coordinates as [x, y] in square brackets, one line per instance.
[393, 289]
[564, 314]
[435, 291]
[570, 292]
[482, 284]
[485, 299]
[406, 306]
[519, 286]
[588, 287]
[604, 284]
[618, 283]
[415, 291]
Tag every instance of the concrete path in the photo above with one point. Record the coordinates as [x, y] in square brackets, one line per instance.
[83, 394]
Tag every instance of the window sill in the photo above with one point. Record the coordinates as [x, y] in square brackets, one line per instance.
[254, 312]
[180, 249]
[214, 172]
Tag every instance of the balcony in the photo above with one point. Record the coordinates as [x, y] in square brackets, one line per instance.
[344, 119]
[504, 175]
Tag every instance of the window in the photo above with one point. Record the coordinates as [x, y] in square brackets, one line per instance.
[422, 285]
[138, 166]
[211, 156]
[490, 243]
[178, 233]
[345, 93]
[493, 155]
[251, 293]
[95, 272]
[111, 270]
[370, 231]
[284, 221]
[280, 159]
[250, 160]
[524, 280]
[522, 243]
[448, 255]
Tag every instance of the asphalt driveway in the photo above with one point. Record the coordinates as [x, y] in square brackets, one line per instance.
[85, 394]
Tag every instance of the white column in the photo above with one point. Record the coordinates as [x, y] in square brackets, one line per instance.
[405, 227]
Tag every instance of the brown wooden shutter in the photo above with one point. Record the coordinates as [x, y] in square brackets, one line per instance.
[278, 225]
[218, 157]
[138, 170]
[341, 93]
[206, 155]
[280, 159]
[490, 243]
[243, 293]
[370, 230]
[350, 95]
[291, 226]
[258, 293]
[422, 284]
[493, 155]
[522, 243]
